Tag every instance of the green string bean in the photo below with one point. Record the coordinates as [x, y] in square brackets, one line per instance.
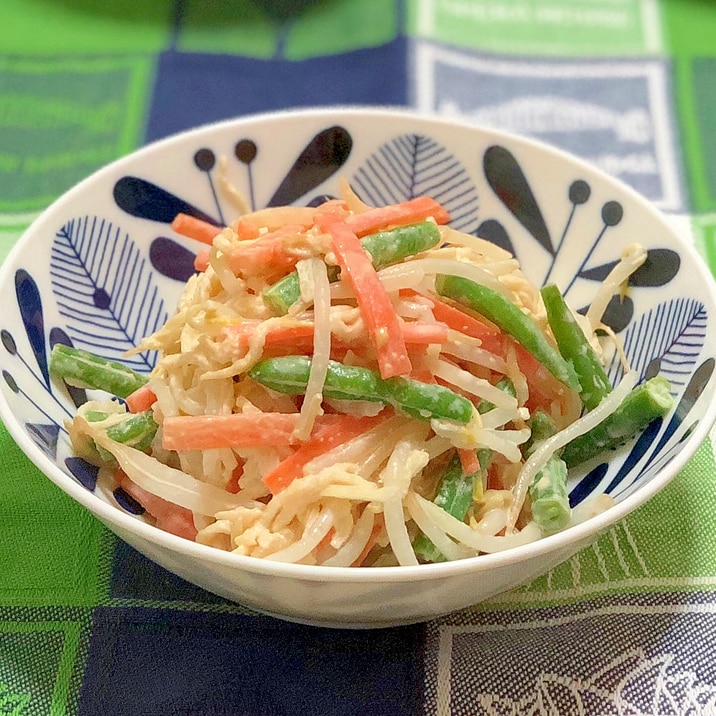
[456, 489]
[575, 348]
[424, 401]
[85, 370]
[454, 495]
[505, 314]
[648, 401]
[548, 494]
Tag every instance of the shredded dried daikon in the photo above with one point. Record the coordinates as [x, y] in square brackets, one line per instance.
[632, 258]
[319, 294]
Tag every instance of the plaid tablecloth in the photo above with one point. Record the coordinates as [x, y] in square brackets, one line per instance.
[88, 626]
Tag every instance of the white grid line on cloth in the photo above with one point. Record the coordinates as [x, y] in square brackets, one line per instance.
[650, 583]
[651, 26]
[648, 11]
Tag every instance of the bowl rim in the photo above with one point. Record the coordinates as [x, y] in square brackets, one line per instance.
[577, 536]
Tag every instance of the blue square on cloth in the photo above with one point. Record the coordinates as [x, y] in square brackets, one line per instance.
[615, 114]
[192, 88]
[136, 577]
[147, 662]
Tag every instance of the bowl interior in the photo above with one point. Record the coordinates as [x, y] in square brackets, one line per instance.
[101, 268]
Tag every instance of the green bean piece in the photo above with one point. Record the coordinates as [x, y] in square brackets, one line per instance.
[542, 426]
[505, 314]
[280, 296]
[137, 431]
[454, 495]
[425, 550]
[484, 457]
[548, 493]
[645, 403]
[424, 401]
[96, 416]
[289, 375]
[575, 348]
[385, 248]
[390, 247]
[455, 492]
[85, 370]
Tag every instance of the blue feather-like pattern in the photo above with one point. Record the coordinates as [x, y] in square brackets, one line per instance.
[29, 302]
[414, 165]
[670, 336]
[105, 290]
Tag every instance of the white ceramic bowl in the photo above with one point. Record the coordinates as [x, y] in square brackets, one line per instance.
[101, 267]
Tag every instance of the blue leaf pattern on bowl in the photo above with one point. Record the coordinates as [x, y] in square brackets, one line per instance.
[506, 178]
[701, 376]
[413, 165]
[105, 290]
[30, 304]
[84, 472]
[666, 340]
[321, 158]
[45, 437]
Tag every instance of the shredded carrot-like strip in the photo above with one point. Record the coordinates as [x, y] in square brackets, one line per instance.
[374, 303]
[194, 228]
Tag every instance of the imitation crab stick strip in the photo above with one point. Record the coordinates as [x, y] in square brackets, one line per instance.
[544, 388]
[204, 432]
[406, 212]
[169, 517]
[141, 399]
[232, 484]
[491, 337]
[268, 252]
[417, 333]
[246, 230]
[194, 228]
[374, 303]
[201, 260]
[468, 461]
[325, 439]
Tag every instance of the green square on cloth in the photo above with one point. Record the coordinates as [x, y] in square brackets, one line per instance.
[53, 550]
[60, 120]
[82, 27]
[579, 28]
